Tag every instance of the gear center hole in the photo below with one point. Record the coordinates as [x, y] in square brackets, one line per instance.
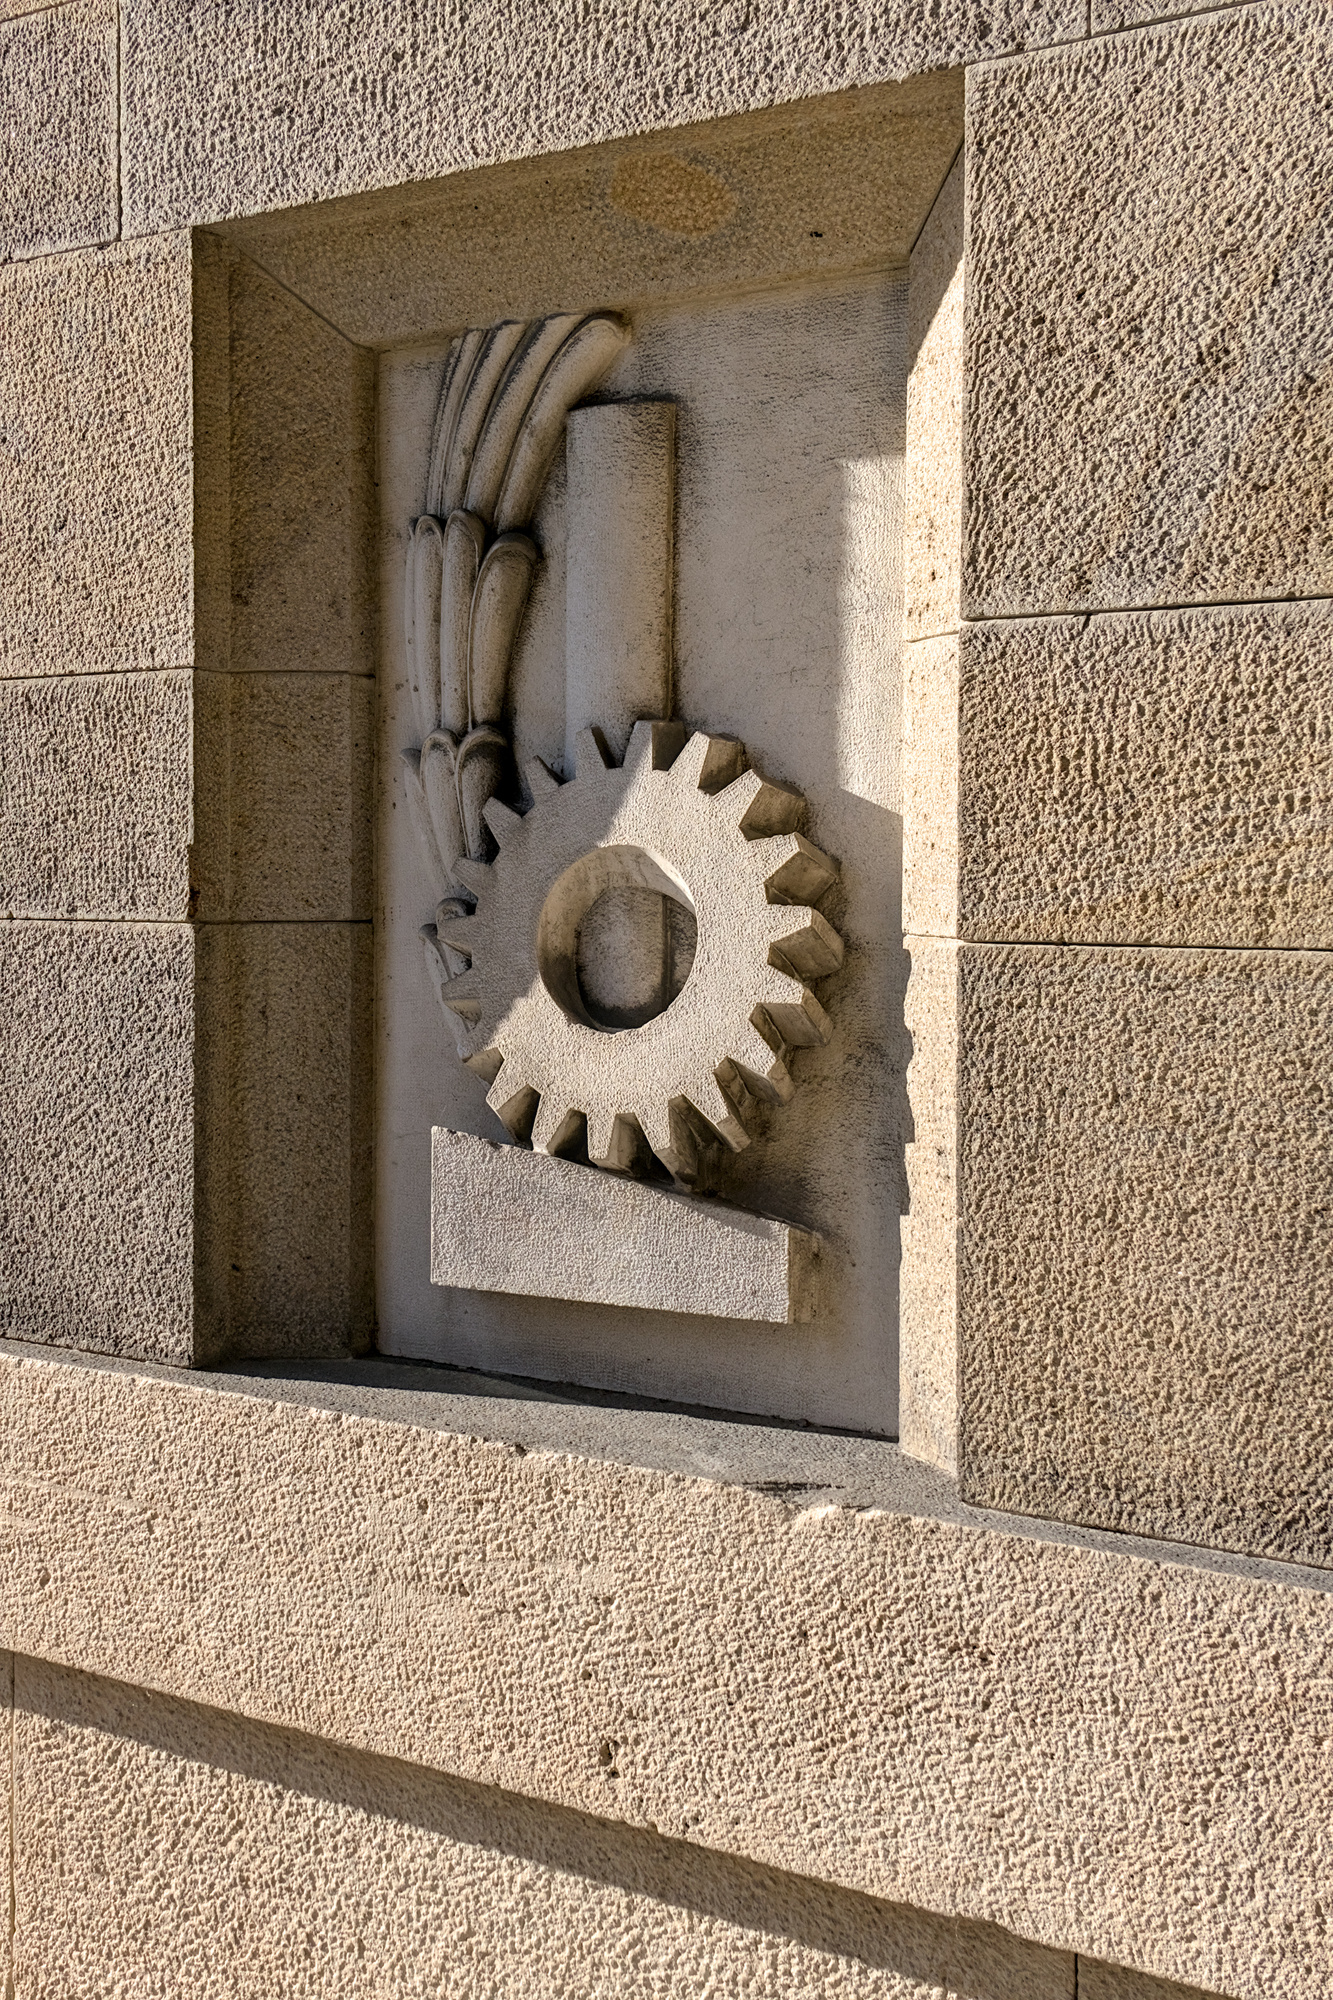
[616, 939]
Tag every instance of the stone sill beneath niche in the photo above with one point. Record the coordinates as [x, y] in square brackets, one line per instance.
[805, 1650]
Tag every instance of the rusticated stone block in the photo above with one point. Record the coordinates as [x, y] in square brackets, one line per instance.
[1146, 1263]
[343, 1874]
[241, 796]
[1150, 319]
[296, 103]
[96, 509]
[97, 1136]
[58, 164]
[1162, 778]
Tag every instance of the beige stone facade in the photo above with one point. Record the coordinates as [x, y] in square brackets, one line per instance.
[895, 1559]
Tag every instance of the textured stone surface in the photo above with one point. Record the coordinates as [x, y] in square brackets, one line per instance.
[1145, 1265]
[930, 780]
[95, 796]
[299, 478]
[1162, 778]
[149, 796]
[283, 770]
[284, 1139]
[97, 1136]
[1151, 401]
[507, 1220]
[95, 452]
[928, 1290]
[57, 128]
[811, 189]
[911, 1708]
[346, 1874]
[288, 104]
[932, 543]
[1097, 1981]
[1107, 15]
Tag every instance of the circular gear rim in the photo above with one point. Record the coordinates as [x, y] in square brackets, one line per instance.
[688, 1076]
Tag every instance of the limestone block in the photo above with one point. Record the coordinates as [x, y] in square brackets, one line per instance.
[507, 1220]
[289, 106]
[928, 1291]
[299, 482]
[95, 454]
[97, 1136]
[1151, 399]
[930, 779]
[1144, 1156]
[797, 1684]
[342, 1874]
[284, 1086]
[1162, 778]
[1113, 1982]
[805, 190]
[58, 164]
[283, 768]
[96, 796]
[932, 543]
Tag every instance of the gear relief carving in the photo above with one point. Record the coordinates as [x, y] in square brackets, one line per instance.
[681, 826]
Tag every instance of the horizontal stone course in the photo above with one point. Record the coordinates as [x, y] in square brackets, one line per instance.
[58, 162]
[1160, 778]
[1150, 319]
[277, 102]
[911, 1707]
[342, 1874]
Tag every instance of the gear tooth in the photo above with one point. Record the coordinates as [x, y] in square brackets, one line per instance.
[717, 1110]
[591, 756]
[799, 1020]
[707, 763]
[773, 809]
[501, 819]
[810, 950]
[762, 1068]
[541, 781]
[474, 875]
[654, 746]
[555, 1124]
[612, 1140]
[795, 870]
[514, 1105]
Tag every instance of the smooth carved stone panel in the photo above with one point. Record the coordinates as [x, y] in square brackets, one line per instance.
[1146, 1273]
[802, 1684]
[96, 510]
[58, 163]
[296, 103]
[97, 1145]
[343, 1875]
[1164, 778]
[1150, 326]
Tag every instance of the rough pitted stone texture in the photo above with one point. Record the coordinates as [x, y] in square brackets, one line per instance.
[283, 767]
[97, 1136]
[1108, 15]
[274, 102]
[1145, 1285]
[95, 796]
[95, 461]
[1165, 778]
[935, 395]
[57, 128]
[1150, 319]
[342, 1874]
[300, 461]
[813, 188]
[1114, 1982]
[284, 1142]
[925, 1711]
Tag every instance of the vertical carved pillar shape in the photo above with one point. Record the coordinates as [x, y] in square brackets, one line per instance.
[618, 601]
[928, 1365]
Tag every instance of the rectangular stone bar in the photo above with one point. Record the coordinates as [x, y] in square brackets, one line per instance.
[506, 1220]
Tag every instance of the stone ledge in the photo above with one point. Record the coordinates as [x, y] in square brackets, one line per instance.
[808, 1654]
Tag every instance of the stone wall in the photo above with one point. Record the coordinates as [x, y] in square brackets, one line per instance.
[345, 1674]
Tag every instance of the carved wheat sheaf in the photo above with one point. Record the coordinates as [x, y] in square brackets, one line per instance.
[507, 391]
